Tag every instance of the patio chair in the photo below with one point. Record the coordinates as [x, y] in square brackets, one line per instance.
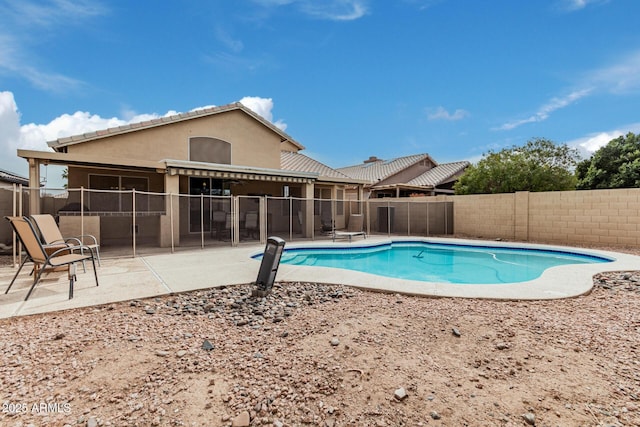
[52, 237]
[327, 225]
[44, 262]
[355, 227]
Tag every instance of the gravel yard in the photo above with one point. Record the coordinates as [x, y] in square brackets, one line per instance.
[320, 355]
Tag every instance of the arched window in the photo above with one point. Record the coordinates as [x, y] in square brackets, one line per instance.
[210, 150]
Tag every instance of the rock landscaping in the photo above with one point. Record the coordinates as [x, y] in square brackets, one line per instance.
[322, 355]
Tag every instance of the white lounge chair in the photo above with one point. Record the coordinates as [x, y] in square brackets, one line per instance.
[355, 227]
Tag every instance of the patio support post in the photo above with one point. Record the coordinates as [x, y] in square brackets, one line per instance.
[34, 186]
[334, 208]
[235, 220]
[171, 214]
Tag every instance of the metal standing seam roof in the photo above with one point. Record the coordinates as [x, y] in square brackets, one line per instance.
[12, 178]
[439, 174]
[381, 169]
[161, 121]
[290, 160]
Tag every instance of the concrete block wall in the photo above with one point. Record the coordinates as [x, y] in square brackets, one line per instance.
[606, 217]
[484, 215]
[602, 217]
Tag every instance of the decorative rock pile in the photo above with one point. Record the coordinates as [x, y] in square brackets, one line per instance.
[619, 281]
[236, 304]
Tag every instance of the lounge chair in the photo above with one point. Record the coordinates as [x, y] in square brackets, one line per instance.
[52, 237]
[43, 262]
[355, 227]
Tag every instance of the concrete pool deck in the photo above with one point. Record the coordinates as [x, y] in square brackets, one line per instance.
[123, 279]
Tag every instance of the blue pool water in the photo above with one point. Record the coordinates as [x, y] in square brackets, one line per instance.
[444, 263]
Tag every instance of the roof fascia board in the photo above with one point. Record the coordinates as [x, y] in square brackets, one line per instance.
[184, 164]
[82, 159]
[342, 180]
[402, 186]
[162, 121]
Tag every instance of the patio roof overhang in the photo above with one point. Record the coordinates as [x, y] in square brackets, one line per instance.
[402, 187]
[222, 171]
[180, 167]
[68, 159]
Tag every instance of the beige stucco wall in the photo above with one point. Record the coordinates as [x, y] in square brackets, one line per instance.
[602, 217]
[171, 141]
[79, 177]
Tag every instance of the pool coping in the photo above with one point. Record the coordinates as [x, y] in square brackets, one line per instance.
[555, 283]
[146, 276]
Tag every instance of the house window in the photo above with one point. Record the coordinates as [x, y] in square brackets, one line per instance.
[209, 150]
[323, 206]
[113, 200]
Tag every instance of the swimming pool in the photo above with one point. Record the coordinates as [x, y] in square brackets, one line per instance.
[441, 262]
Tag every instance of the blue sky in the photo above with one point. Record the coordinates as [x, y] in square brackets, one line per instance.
[346, 78]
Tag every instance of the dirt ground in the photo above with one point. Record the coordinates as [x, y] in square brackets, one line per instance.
[319, 355]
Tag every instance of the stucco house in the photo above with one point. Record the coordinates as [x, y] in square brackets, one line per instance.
[405, 176]
[7, 179]
[228, 152]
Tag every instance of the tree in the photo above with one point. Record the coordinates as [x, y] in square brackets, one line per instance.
[65, 175]
[616, 165]
[539, 165]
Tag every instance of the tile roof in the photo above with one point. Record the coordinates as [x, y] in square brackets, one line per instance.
[290, 160]
[160, 121]
[439, 174]
[12, 178]
[381, 169]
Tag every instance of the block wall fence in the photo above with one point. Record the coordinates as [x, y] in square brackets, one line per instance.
[598, 217]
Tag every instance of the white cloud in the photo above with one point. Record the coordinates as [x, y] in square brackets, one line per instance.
[34, 136]
[545, 111]
[334, 10]
[441, 113]
[28, 13]
[337, 10]
[423, 4]
[21, 20]
[233, 62]
[10, 135]
[228, 41]
[574, 5]
[619, 78]
[590, 143]
[263, 107]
